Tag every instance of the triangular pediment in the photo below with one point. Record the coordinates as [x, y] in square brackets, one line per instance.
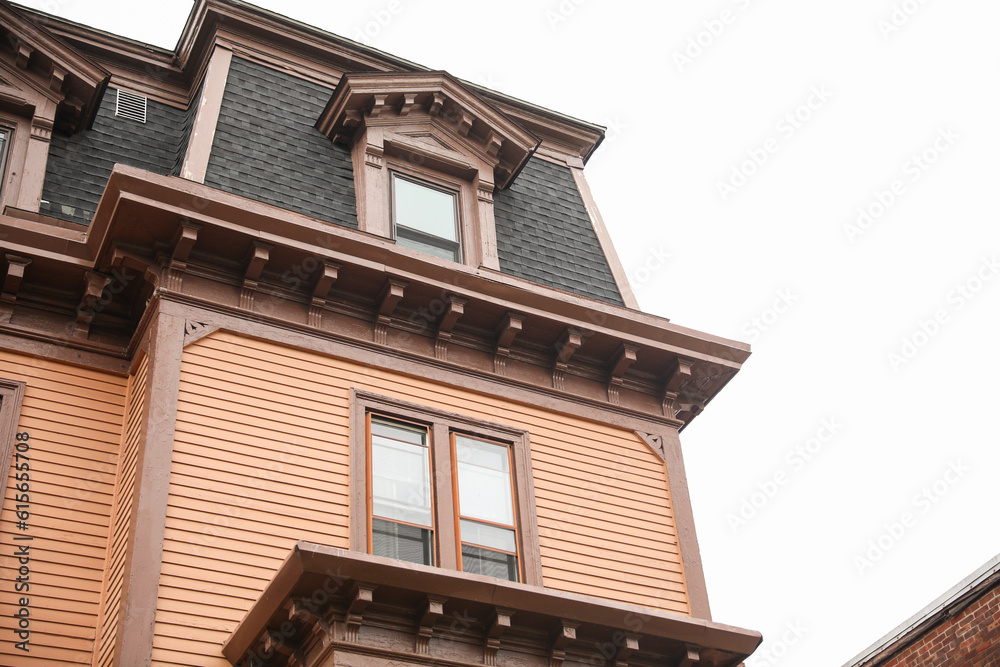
[464, 121]
[37, 63]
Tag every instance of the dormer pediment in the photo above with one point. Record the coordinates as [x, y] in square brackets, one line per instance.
[406, 104]
[40, 70]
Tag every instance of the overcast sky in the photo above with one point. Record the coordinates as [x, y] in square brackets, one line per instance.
[816, 179]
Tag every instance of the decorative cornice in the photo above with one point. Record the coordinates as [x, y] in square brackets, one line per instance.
[395, 97]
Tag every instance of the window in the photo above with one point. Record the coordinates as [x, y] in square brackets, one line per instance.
[437, 488]
[6, 134]
[425, 218]
[11, 397]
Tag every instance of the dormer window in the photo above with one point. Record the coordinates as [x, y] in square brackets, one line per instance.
[428, 154]
[426, 218]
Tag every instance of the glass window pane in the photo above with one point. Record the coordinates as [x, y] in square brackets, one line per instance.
[486, 535]
[401, 487]
[484, 481]
[425, 209]
[444, 249]
[490, 563]
[409, 543]
[415, 434]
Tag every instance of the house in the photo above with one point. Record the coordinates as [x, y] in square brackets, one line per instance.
[312, 356]
[959, 629]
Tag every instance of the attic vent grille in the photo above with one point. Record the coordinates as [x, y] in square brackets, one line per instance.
[130, 105]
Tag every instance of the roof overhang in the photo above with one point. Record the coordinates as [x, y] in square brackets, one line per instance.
[328, 606]
[74, 82]
[361, 98]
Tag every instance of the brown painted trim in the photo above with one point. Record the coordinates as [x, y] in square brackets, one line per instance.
[441, 425]
[333, 569]
[687, 537]
[378, 356]
[152, 489]
[203, 130]
[11, 398]
[614, 263]
[15, 340]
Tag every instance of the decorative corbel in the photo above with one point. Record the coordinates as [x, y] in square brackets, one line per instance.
[454, 310]
[568, 344]
[57, 76]
[409, 103]
[498, 624]
[625, 358]
[16, 266]
[255, 260]
[373, 156]
[493, 144]
[465, 122]
[304, 610]
[22, 53]
[691, 657]
[41, 128]
[184, 241]
[96, 282]
[377, 106]
[432, 610]
[391, 295]
[324, 281]
[678, 373]
[437, 104]
[360, 597]
[506, 331]
[626, 649]
[277, 643]
[563, 634]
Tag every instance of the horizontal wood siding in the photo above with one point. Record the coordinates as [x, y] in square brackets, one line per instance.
[122, 516]
[261, 460]
[74, 417]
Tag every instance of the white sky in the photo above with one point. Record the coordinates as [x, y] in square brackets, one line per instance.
[880, 98]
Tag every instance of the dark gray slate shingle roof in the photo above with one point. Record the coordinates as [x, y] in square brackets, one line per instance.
[79, 165]
[267, 149]
[545, 235]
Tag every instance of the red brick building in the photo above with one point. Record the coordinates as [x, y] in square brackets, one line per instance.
[959, 629]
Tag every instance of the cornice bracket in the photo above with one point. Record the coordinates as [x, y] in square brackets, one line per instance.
[388, 299]
[499, 623]
[570, 341]
[255, 261]
[505, 332]
[85, 312]
[324, 281]
[432, 610]
[16, 266]
[692, 657]
[360, 597]
[184, 240]
[678, 373]
[628, 645]
[625, 358]
[562, 635]
[453, 311]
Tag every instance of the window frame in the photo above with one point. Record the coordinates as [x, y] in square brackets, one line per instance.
[456, 198]
[440, 427]
[11, 400]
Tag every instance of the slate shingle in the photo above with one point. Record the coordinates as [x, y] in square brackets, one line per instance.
[267, 148]
[545, 235]
[79, 165]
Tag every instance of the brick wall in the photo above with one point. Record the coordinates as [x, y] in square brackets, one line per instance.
[971, 638]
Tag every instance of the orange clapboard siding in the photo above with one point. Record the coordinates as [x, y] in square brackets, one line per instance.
[261, 460]
[74, 417]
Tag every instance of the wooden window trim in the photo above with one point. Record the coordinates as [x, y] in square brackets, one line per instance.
[455, 191]
[441, 425]
[11, 398]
